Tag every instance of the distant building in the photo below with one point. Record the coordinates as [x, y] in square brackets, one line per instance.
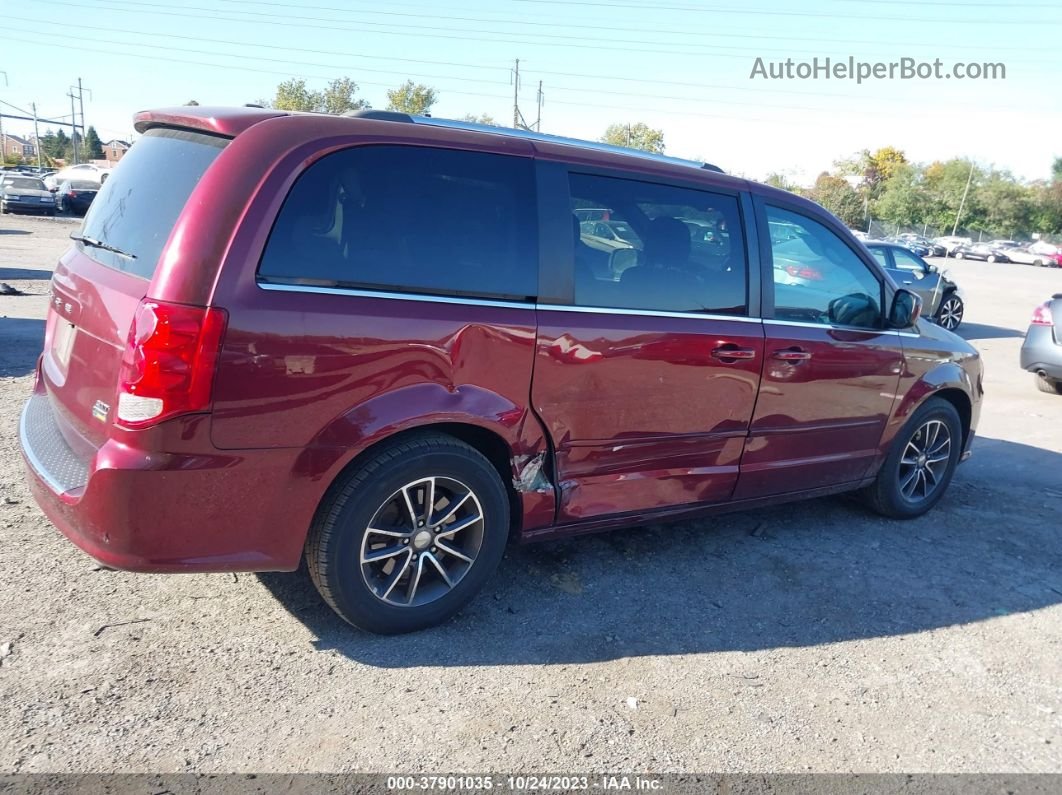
[16, 146]
[115, 150]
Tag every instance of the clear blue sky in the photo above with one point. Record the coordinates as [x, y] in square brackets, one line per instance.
[680, 65]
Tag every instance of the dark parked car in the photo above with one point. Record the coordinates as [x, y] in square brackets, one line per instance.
[75, 196]
[982, 251]
[24, 194]
[1041, 353]
[941, 298]
[252, 358]
[912, 245]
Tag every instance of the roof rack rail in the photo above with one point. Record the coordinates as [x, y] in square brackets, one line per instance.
[391, 115]
[379, 115]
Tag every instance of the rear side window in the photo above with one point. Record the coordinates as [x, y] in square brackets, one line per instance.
[410, 219]
[657, 247]
[138, 205]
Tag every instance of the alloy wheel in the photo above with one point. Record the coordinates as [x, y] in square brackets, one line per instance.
[422, 541]
[950, 315]
[925, 461]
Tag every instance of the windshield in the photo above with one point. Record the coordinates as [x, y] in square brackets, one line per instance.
[137, 207]
[23, 183]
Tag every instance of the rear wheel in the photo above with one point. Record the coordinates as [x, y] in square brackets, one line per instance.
[958, 255]
[951, 311]
[920, 465]
[1049, 385]
[410, 536]
[991, 257]
[1038, 263]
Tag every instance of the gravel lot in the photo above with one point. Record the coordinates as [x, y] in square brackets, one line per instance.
[808, 637]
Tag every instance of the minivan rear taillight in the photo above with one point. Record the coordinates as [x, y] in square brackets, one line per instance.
[169, 362]
[1042, 315]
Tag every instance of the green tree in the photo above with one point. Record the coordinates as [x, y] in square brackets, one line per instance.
[192, 103]
[839, 197]
[902, 198]
[295, 95]
[1005, 206]
[1056, 170]
[881, 166]
[776, 180]
[635, 136]
[483, 118]
[339, 97]
[93, 148]
[413, 98]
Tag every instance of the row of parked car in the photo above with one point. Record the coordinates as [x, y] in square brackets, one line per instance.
[1038, 253]
[47, 191]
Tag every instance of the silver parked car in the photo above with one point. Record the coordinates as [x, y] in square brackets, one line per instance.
[1041, 353]
[941, 298]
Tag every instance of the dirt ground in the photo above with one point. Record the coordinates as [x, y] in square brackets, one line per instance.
[807, 637]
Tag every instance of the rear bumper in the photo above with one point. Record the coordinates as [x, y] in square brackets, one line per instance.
[1041, 353]
[201, 511]
[29, 207]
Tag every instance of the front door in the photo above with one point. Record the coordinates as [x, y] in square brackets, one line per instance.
[831, 368]
[647, 381]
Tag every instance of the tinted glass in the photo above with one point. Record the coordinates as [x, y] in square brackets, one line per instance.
[412, 219]
[138, 205]
[881, 256]
[668, 248]
[23, 183]
[80, 185]
[818, 278]
[907, 261]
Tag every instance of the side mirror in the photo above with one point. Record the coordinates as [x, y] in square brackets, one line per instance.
[905, 310]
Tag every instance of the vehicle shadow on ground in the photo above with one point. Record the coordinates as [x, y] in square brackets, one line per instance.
[980, 331]
[16, 274]
[823, 571]
[15, 232]
[21, 339]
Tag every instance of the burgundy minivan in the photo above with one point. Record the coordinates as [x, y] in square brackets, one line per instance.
[386, 344]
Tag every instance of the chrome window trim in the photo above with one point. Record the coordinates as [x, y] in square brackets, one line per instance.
[392, 296]
[460, 301]
[801, 324]
[605, 310]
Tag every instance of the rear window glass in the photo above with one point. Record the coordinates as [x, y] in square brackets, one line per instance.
[411, 219]
[23, 183]
[81, 185]
[138, 205]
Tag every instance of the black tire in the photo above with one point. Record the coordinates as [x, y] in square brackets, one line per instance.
[950, 312]
[1048, 385]
[991, 258]
[886, 495]
[1038, 263]
[959, 255]
[335, 544]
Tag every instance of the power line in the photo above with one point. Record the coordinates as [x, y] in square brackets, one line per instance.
[514, 75]
[581, 75]
[436, 32]
[598, 27]
[772, 13]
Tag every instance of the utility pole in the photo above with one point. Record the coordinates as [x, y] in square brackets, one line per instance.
[3, 138]
[516, 95]
[962, 203]
[73, 128]
[541, 100]
[81, 101]
[36, 136]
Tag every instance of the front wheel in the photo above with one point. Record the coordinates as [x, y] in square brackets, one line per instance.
[1048, 385]
[959, 255]
[920, 465]
[950, 314]
[991, 258]
[410, 536]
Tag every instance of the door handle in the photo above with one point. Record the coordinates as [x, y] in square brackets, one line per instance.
[730, 353]
[792, 355]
